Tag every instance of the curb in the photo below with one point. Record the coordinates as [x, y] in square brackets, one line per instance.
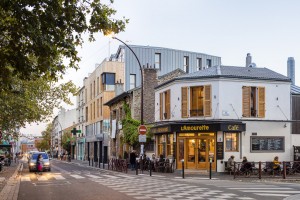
[11, 189]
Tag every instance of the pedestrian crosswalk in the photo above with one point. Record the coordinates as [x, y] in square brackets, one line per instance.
[145, 187]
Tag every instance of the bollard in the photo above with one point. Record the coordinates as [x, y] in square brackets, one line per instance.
[150, 168]
[210, 162]
[136, 169]
[259, 170]
[284, 170]
[182, 161]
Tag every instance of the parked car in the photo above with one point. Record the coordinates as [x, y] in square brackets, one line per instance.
[46, 162]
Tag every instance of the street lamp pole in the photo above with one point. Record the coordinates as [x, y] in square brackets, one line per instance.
[142, 80]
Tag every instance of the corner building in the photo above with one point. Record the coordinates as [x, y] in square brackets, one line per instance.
[222, 111]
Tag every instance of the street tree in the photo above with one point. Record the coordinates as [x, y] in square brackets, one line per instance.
[36, 36]
[44, 144]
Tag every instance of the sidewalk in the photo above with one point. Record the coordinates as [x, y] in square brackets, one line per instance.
[10, 182]
[191, 174]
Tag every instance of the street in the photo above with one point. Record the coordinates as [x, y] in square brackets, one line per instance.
[69, 181]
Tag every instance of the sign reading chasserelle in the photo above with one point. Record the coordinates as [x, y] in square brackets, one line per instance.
[142, 129]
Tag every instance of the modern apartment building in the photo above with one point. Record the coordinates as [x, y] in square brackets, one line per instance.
[99, 87]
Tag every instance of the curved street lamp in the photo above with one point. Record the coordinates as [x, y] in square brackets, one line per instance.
[142, 79]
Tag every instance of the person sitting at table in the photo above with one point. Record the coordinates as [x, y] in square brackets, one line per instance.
[161, 158]
[246, 166]
[276, 164]
[230, 163]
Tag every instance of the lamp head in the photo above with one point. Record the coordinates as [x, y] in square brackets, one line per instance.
[111, 35]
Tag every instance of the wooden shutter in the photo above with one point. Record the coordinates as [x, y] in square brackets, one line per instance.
[261, 102]
[161, 106]
[207, 100]
[167, 105]
[184, 102]
[246, 101]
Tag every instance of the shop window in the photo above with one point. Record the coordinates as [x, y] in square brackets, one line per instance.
[231, 141]
[170, 150]
[165, 106]
[197, 102]
[161, 145]
[253, 101]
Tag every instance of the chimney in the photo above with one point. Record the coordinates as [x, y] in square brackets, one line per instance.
[248, 60]
[119, 88]
[291, 69]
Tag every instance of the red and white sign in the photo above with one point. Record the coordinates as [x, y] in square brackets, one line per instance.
[142, 129]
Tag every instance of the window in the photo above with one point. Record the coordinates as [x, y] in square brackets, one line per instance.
[231, 141]
[199, 64]
[108, 81]
[94, 89]
[97, 107]
[165, 106]
[170, 145]
[91, 111]
[208, 63]
[186, 64]
[91, 91]
[253, 101]
[101, 106]
[157, 64]
[132, 81]
[196, 101]
[97, 85]
[94, 110]
[87, 113]
[161, 145]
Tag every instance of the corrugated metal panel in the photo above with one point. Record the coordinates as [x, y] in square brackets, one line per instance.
[170, 60]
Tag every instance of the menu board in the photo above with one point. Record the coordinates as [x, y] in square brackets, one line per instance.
[220, 150]
[267, 144]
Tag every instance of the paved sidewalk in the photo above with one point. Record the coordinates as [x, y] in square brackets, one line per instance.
[10, 182]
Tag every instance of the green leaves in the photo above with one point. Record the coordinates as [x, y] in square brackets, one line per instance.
[37, 36]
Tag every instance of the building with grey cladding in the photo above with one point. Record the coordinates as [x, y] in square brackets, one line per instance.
[163, 59]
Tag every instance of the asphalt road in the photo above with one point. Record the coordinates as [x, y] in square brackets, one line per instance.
[69, 181]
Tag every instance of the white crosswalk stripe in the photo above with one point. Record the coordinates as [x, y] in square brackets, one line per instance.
[77, 176]
[25, 178]
[58, 177]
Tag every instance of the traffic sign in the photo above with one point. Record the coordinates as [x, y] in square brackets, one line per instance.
[142, 129]
[142, 138]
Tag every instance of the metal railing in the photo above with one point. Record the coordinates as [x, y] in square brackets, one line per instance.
[119, 165]
[286, 169]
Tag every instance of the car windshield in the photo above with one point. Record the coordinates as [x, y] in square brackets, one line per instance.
[34, 156]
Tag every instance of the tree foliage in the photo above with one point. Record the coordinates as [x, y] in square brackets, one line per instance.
[44, 144]
[37, 35]
[32, 101]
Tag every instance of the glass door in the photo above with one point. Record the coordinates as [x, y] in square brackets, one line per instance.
[191, 153]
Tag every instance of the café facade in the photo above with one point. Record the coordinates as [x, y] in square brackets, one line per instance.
[209, 115]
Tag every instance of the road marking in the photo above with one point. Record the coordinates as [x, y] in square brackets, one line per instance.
[262, 188]
[41, 178]
[273, 195]
[58, 177]
[272, 191]
[76, 176]
[93, 176]
[109, 176]
[25, 178]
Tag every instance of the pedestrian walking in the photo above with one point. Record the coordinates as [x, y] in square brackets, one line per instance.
[133, 160]
[39, 164]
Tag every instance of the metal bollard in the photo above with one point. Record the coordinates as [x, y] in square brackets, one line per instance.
[182, 161]
[259, 170]
[210, 163]
[136, 169]
[150, 168]
[284, 170]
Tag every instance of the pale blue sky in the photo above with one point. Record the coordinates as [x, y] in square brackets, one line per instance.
[268, 29]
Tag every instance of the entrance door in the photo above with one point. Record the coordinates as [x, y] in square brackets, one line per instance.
[199, 151]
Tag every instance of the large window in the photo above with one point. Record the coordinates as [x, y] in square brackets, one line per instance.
[231, 141]
[157, 60]
[196, 101]
[186, 64]
[132, 81]
[199, 64]
[108, 81]
[253, 101]
[165, 106]
[170, 150]
[161, 145]
[208, 63]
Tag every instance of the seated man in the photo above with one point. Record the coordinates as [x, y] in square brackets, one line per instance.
[230, 163]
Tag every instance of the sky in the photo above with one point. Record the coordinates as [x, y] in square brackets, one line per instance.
[268, 29]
